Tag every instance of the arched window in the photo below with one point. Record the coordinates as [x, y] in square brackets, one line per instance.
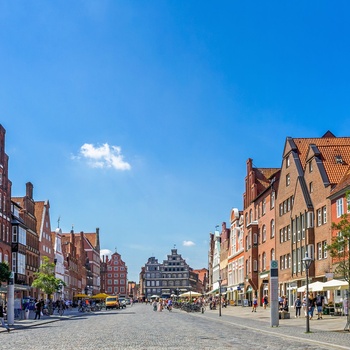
[264, 261]
[272, 228]
[264, 233]
[272, 254]
[250, 216]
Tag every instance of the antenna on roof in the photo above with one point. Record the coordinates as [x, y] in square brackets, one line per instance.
[58, 221]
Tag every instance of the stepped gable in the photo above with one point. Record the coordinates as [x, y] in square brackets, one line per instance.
[263, 177]
[334, 154]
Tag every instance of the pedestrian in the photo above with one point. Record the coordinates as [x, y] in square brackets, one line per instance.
[311, 306]
[265, 301]
[38, 308]
[2, 316]
[297, 305]
[319, 301]
[160, 305]
[304, 305]
[255, 304]
[154, 304]
[170, 305]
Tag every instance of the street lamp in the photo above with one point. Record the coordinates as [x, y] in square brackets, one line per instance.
[307, 262]
[219, 281]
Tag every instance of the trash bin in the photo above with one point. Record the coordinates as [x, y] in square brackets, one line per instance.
[26, 314]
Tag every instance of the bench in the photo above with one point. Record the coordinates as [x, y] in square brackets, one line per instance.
[284, 315]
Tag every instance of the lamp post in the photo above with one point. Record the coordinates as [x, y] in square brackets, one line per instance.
[307, 262]
[219, 281]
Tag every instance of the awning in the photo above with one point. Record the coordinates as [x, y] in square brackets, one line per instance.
[17, 287]
[213, 291]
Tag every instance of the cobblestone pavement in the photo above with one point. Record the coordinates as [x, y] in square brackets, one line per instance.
[139, 327]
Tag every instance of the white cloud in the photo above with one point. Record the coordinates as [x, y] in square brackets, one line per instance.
[105, 252]
[188, 243]
[105, 156]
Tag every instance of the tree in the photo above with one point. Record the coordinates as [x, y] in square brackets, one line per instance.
[45, 279]
[5, 272]
[339, 250]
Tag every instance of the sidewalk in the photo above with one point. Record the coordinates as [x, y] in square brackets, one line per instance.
[327, 323]
[20, 324]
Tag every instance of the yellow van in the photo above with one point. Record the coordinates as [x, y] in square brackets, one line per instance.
[112, 302]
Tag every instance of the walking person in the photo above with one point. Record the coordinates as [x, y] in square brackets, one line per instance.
[319, 301]
[265, 301]
[297, 305]
[38, 308]
[311, 306]
[255, 304]
[2, 316]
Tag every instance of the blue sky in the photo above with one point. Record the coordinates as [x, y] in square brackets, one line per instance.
[138, 117]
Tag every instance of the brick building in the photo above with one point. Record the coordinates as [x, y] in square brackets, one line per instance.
[27, 214]
[311, 169]
[116, 276]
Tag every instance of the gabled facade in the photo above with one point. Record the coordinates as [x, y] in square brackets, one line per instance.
[92, 249]
[311, 168]
[27, 214]
[257, 181]
[225, 247]
[216, 248]
[340, 202]
[74, 271]
[235, 268]
[265, 212]
[19, 249]
[116, 276]
[43, 228]
[5, 203]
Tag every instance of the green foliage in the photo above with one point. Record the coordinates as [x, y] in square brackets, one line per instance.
[5, 272]
[339, 249]
[45, 279]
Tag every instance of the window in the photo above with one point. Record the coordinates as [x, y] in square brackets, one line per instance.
[288, 162]
[319, 217]
[264, 233]
[250, 216]
[339, 205]
[272, 199]
[348, 204]
[324, 211]
[311, 187]
[310, 166]
[272, 254]
[281, 236]
[264, 261]
[272, 228]
[288, 232]
[255, 265]
[324, 249]
[287, 179]
[319, 251]
[264, 207]
[255, 238]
